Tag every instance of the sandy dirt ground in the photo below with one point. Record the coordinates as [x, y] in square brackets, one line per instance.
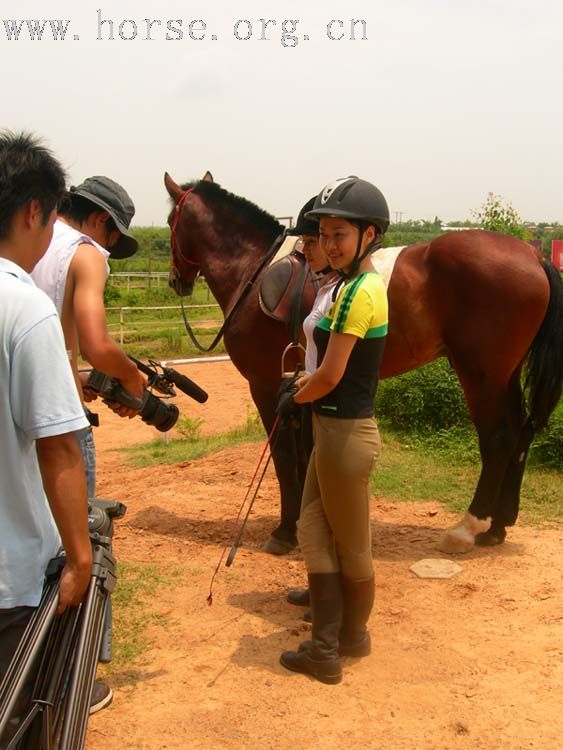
[475, 661]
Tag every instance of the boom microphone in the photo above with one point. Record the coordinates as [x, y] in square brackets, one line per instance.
[186, 385]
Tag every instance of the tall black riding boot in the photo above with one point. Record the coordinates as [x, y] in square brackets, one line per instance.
[358, 597]
[321, 660]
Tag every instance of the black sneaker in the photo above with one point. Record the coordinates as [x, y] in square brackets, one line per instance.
[102, 696]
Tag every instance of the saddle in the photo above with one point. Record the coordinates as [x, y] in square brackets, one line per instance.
[287, 291]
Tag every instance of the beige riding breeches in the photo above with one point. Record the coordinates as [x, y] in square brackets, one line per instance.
[334, 527]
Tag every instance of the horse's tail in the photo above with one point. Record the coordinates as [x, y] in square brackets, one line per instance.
[544, 377]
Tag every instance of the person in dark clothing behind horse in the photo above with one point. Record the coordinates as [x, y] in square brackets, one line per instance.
[334, 527]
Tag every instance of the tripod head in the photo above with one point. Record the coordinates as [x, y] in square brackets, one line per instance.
[101, 514]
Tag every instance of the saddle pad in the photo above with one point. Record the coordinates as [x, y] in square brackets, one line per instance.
[383, 261]
[287, 247]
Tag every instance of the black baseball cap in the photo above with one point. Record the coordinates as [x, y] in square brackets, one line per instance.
[111, 197]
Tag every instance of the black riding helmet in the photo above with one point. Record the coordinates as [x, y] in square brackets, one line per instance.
[306, 226]
[357, 201]
[352, 198]
[310, 228]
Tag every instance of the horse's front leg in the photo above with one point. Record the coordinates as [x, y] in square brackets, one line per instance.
[495, 411]
[286, 461]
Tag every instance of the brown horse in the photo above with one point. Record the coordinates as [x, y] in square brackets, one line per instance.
[488, 302]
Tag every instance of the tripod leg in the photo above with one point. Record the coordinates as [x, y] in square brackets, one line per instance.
[105, 650]
[84, 670]
[21, 667]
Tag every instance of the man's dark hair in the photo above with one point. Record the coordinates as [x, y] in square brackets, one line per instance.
[77, 208]
[28, 171]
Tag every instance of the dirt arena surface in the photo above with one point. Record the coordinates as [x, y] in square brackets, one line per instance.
[475, 661]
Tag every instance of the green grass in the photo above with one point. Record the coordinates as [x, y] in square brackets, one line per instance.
[160, 334]
[132, 614]
[435, 468]
[193, 446]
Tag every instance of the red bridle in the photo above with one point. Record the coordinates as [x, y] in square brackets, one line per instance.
[175, 220]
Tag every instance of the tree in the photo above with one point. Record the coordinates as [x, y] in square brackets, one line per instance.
[498, 215]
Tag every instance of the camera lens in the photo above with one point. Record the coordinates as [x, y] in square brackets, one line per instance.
[159, 414]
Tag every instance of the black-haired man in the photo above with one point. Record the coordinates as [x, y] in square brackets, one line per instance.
[42, 487]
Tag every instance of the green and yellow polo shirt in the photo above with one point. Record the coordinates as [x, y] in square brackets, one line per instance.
[360, 310]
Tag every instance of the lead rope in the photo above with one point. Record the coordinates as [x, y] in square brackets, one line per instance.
[246, 289]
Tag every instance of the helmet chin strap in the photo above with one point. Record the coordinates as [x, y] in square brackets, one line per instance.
[375, 244]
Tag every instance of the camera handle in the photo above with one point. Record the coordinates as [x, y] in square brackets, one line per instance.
[126, 398]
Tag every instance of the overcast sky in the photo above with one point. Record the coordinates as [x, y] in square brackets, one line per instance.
[444, 101]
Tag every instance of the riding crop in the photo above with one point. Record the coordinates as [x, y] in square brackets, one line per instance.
[270, 442]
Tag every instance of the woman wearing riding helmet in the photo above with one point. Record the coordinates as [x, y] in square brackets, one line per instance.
[326, 279]
[334, 528]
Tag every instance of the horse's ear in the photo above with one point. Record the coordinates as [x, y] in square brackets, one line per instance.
[174, 190]
[207, 177]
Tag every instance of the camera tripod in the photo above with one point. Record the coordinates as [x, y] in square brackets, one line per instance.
[52, 672]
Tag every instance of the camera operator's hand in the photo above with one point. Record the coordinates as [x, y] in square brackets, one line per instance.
[135, 385]
[74, 582]
[123, 411]
[89, 395]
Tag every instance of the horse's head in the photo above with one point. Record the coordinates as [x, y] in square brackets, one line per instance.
[184, 264]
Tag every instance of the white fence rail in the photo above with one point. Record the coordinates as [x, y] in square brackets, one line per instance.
[123, 310]
[145, 276]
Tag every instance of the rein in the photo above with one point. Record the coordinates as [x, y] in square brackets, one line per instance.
[244, 292]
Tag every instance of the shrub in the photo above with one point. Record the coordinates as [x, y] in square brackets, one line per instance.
[429, 404]
[426, 399]
[547, 448]
[190, 428]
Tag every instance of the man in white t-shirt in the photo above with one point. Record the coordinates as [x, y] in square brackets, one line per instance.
[42, 485]
[92, 226]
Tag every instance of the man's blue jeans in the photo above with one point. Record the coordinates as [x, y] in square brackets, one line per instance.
[88, 450]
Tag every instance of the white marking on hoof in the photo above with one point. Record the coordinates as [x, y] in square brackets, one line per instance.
[461, 538]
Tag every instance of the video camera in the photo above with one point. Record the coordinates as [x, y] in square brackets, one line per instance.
[57, 656]
[153, 410]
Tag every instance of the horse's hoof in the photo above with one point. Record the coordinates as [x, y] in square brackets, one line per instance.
[461, 538]
[491, 538]
[275, 546]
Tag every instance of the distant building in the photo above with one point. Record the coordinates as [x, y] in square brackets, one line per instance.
[456, 229]
[557, 253]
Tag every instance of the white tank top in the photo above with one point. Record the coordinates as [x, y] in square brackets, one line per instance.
[51, 271]
[321, 306]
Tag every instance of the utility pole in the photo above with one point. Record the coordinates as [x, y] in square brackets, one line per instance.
[149, 252]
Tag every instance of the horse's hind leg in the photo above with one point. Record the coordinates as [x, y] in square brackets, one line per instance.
[285, 456]
[508, 504]
[496, 412]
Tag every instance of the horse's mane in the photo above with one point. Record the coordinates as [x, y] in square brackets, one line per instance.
[245, 210]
